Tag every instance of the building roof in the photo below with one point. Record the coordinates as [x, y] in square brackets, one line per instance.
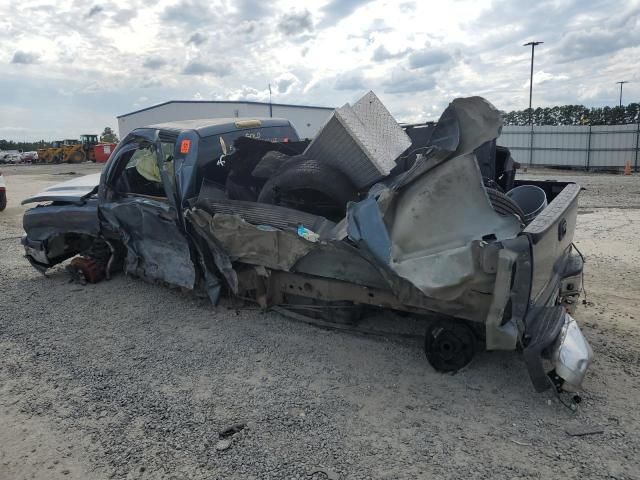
[246, 102]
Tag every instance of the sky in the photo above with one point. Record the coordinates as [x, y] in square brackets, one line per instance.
[71, 66]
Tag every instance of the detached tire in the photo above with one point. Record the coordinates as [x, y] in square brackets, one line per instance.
[503, 205]
[449, 345]
[3, 200]
[310, 186]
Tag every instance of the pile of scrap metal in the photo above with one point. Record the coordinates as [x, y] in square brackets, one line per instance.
[350, 208]
[368, 215]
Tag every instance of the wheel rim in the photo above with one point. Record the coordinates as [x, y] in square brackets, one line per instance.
[449, 348]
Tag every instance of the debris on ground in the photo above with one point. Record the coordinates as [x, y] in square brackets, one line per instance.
[583, 430]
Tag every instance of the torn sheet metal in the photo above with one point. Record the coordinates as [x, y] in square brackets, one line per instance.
[156, 249]
[47, 221]
[255, 244]
[341, 261]
[435, 223]
[437, 217]
[362, 141]
[202, 223]
[75, 190]
[464, 126]
[478, 120]
[365, 224]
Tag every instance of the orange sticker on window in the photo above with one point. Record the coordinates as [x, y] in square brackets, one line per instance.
[185, 145]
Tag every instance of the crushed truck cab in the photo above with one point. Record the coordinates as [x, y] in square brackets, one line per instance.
[368, 215]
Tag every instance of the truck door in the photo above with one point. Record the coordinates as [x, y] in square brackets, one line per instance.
[138, 207]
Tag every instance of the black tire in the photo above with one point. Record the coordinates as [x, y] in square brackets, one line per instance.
[3, 200]
[449, 345]
[311, 186]
[76, 157]
[238, 191]
[269, 164]
[503, 205]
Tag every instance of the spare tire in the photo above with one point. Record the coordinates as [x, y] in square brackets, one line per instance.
[310, 186]
[503, 205]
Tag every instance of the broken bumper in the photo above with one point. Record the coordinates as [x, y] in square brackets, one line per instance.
[557, 352]
[35, 252]
[571, 355]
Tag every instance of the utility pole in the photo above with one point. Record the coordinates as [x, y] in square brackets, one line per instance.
[621, 83]
[533, 46]
[270, 105]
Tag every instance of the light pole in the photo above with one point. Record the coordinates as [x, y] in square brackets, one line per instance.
[621, 83]
[533, 46]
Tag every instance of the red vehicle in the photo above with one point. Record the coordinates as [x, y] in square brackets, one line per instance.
[103, 151]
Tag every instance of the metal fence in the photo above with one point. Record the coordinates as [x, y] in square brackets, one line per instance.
[586, 147]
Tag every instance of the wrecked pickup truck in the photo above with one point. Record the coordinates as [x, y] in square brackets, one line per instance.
[419, 219]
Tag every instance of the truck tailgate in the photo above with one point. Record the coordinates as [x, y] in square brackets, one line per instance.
[551, 236]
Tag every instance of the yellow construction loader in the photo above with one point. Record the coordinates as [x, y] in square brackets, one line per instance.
[42, 155]
[79, 151]
[53, 154]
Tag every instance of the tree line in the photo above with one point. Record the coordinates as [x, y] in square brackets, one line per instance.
[575, 115]
[107, 136]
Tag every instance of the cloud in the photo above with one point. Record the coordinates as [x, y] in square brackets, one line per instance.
[197, 39]
[295, 23]
[336, 10]
[154, 63]
[150, 83]
[94, 11]
[124, 16]
[407, 7]
[595, 42]
[353, 80]
[406, 81]
[200, 68]
[285, 82]
[246, 28]
[235, 48]
[541, 77]
[190, 13]
[381, 54]
[428, 57]
[252, 9]
[25, 58]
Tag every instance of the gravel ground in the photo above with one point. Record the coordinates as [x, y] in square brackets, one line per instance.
[124, 379]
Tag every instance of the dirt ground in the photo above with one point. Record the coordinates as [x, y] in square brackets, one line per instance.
[129, 380]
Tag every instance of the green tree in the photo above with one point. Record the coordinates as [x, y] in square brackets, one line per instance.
[575, 115]
[108, 136]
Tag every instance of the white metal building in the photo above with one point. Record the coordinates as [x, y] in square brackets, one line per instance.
[306, 119]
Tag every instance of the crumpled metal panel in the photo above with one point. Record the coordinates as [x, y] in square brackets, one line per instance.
[156, 250]
[437, 216]
[47, 221]
[362, 141]
[257, 245]
[265, 214]
[74, 190]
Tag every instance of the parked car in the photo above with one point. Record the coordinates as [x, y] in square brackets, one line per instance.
[368, 215]
[29, 157]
